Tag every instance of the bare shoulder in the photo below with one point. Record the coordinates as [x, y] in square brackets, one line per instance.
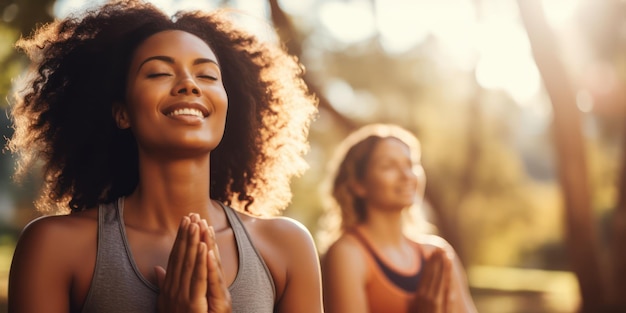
[54, 228]
[346, 247]
[280, 230]
[345, 272]
[57, 237]
[53, 255]
[345, 258]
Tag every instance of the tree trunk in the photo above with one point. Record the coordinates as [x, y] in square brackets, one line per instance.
[618, 242]
[579, 222]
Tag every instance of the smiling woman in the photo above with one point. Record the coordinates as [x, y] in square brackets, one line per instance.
[167, 145]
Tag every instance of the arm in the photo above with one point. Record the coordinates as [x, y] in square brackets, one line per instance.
[344, 277]
[40, 277]
[302, 292]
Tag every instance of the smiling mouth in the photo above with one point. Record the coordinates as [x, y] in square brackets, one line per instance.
[186, 111]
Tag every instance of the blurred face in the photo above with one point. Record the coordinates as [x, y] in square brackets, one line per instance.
[175, 100]
[391, 181]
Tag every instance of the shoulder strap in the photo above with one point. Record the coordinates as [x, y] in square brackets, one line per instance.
[405, 282]
[253, 289]
[116, 285]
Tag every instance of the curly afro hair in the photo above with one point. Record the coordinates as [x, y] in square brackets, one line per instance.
[62, 112]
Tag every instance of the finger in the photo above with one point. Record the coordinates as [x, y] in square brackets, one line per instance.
[200, 273]
[218, 291]
[214, 274]
[215, 247]
[438, 281]
[429, 269]
[446, 278]
[204, 232]
[159, 272]
[432, 288]
[195, 217]
[176, 257]
[191, 255]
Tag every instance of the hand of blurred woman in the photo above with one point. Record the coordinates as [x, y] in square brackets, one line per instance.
[432, 294]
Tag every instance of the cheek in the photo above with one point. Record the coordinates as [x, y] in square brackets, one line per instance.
[379, 182]
[143, 98]
[221, 98]
[139, 109]
[138, 97]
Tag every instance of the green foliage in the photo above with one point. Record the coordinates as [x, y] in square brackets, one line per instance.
[19, 18]
[8, 62]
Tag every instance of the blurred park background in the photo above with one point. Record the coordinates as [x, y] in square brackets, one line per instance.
[519, 105]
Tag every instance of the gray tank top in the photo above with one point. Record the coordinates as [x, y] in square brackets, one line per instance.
[118, 285]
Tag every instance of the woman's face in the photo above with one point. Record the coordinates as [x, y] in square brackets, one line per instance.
[391, 181]
[175, 99]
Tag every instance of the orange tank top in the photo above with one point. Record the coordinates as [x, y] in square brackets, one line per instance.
[388, 289]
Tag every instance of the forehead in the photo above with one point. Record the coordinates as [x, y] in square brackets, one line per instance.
[173, 43]
[391, 147]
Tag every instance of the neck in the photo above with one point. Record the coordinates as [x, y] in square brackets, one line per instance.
[384, 226]
[169, 190]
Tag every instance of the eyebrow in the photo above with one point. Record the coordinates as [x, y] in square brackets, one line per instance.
[170, 60]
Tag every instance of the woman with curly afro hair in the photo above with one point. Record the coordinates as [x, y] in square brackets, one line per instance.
[167, 145]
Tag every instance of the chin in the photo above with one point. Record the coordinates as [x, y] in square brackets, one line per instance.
[406, 204]
[198, 143]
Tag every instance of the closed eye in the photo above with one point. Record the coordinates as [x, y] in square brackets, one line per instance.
[154, 75]
[208, 77]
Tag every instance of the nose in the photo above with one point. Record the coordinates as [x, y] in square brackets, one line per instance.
[186, 86]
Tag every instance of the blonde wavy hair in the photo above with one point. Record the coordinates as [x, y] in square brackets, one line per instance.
[342, 208]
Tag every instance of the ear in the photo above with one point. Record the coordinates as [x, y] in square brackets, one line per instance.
[120, 115]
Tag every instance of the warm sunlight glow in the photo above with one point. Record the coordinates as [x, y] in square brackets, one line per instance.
[558, 287]
[488, 39]
[394, 19]
[252, 14]
[62, 8]
[299, 7]
[559, 12]
[402, 25]
[505, 60]
[349, 102]
[349, 22]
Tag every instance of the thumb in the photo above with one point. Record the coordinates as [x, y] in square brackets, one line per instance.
[160, 275]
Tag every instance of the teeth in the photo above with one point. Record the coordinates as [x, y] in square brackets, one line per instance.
[187, 111]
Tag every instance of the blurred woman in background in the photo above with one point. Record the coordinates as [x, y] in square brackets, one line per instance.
[372, 264]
